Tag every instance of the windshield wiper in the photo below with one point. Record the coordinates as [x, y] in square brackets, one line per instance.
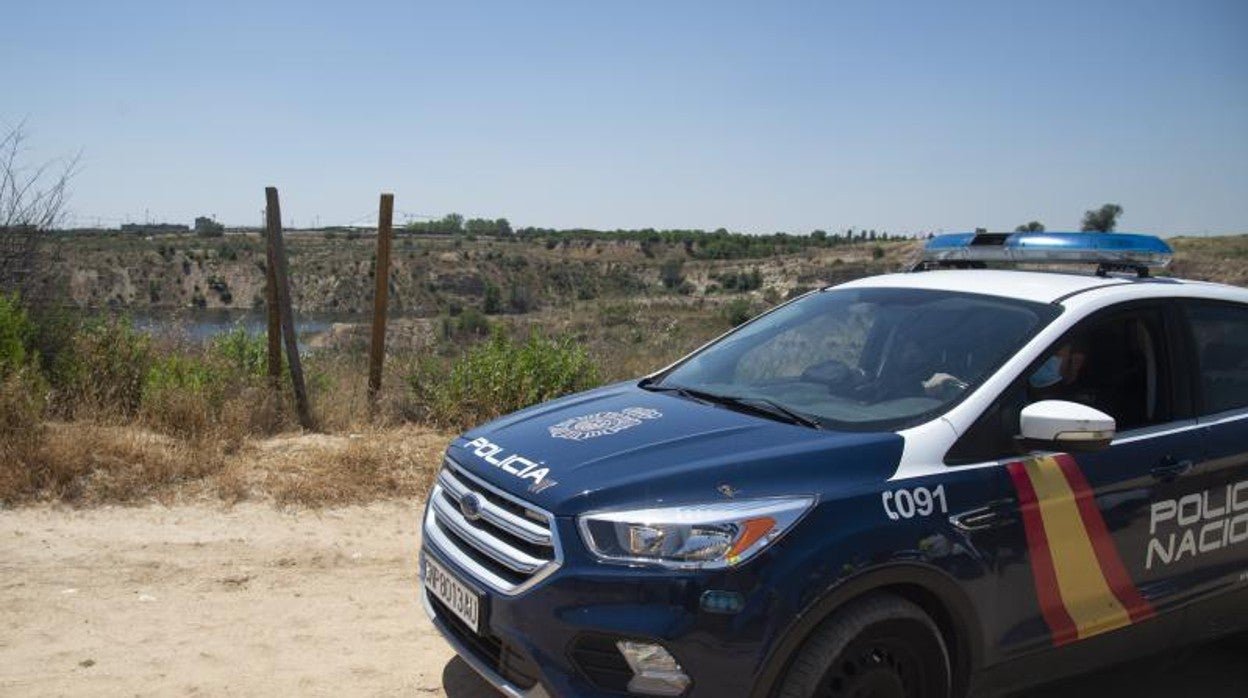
[758, 405]
[772, 408]
[680, 390]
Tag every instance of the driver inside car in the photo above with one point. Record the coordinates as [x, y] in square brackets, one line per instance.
[1058, 378]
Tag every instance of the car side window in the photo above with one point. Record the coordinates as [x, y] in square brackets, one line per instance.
[1116, 362]
[1220, 336]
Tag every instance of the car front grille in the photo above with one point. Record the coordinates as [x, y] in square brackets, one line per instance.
[502, 541]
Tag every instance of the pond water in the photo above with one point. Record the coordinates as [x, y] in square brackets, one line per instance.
[200, 324]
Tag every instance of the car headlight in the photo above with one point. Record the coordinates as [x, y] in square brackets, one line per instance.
[698, 536]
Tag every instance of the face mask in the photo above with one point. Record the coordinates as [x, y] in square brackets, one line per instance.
[1049, 373]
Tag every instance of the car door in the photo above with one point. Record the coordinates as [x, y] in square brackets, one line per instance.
[1211, 520]
[1081, 520]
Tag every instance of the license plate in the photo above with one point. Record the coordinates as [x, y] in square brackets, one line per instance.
[457, 596]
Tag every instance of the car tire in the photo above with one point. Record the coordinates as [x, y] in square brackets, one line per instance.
[879, 646]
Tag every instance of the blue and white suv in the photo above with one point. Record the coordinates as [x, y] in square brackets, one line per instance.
[949, 481]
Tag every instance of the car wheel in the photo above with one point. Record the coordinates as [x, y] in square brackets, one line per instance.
[880, 646]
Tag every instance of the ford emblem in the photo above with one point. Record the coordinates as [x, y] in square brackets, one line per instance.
[470, 506]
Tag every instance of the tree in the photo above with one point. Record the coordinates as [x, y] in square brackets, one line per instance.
[1101, 220]
[208, 228]
[32, 200]
[479, 226]
[452, 223]
[672, 272]
[1032, 227]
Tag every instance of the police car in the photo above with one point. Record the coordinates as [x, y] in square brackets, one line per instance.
[961, 479]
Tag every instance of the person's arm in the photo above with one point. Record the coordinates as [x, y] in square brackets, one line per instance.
[941, 382]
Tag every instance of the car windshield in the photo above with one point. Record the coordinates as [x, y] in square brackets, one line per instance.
[862, 359]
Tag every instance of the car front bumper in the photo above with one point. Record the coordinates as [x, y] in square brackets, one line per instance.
[558, 638]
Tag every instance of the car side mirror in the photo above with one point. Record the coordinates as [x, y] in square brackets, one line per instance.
[1059, 425]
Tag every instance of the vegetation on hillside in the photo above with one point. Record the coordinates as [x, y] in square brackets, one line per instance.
[436, 274]
[94, 410]
[120, 415]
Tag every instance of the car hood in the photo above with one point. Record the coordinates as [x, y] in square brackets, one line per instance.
[621, 445]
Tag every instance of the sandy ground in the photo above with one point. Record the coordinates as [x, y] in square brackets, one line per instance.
[203, 600]
[211, 601]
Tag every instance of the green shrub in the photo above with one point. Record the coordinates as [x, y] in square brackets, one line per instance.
[104, 370]
[740, 281]
[243, 353]
[194, 395]
[738, 312]
[493, 302]
[182, 372]
[16, 333]
[55, 331]
[182, 395]
[521, 299]
[472, 322]
[501, 376]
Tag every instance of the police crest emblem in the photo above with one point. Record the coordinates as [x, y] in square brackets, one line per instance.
[602, 423]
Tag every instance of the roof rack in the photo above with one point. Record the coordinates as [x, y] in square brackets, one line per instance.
[1111, 252]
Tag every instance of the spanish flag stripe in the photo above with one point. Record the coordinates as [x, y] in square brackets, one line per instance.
[1061, 626]
[1111, 563]
[1079, 577]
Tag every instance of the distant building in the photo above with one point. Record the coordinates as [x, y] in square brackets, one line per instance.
[153, 228]
[208, 228]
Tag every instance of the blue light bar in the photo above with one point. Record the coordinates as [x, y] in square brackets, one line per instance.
[1112, 251]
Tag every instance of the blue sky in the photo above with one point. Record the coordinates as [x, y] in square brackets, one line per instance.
[898, 116]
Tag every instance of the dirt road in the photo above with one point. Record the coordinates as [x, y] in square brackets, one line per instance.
[195, 600]
[212, 601]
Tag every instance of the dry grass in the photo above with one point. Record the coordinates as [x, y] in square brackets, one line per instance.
[88, 464]
[1223, 259]
[250, 412]
[321, 470]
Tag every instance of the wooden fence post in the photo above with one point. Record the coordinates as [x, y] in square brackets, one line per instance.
[274, 314]
[278, 252]
[381, 297]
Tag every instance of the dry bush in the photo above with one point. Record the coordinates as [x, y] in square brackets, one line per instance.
[253, 411]
[90, 464]
[317, 470]
[225, 421]
[21, 432]
[338, 392]
[93, 464]
[179, 413]
[233, 485]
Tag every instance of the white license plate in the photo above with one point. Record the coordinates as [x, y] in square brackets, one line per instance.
[457, 596]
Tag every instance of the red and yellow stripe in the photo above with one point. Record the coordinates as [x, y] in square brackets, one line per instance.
[1081, 583]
